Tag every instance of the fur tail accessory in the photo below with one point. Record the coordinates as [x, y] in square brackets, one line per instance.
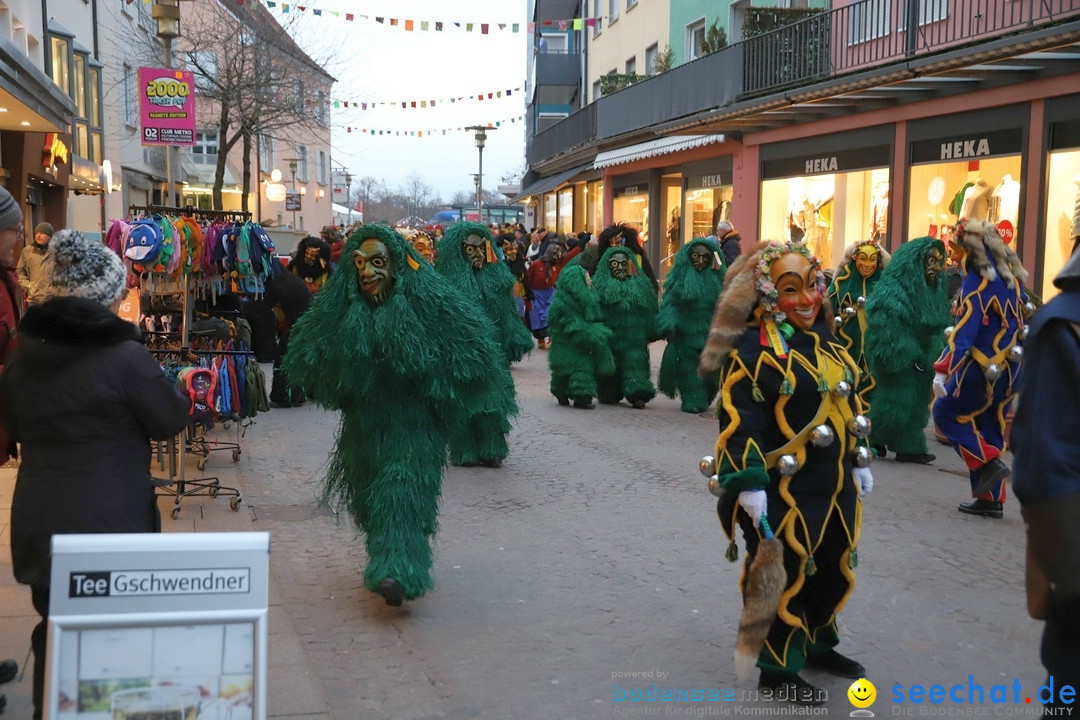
[987, 253]
[765, 583]
[733, 309]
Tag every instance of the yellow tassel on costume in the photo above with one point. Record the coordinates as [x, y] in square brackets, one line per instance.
[776, 340]
[491, 257]
[412, 263]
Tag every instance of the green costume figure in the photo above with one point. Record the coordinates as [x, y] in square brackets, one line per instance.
[628, 304]
[393, 346]
[905, 318]
[466, 258]
[580, 341]
[690, 291]
[863, 264]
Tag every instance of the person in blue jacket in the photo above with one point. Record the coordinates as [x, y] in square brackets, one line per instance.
[1046, 454]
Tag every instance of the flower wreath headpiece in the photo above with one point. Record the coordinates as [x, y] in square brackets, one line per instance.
[863, 243]
[763, 281]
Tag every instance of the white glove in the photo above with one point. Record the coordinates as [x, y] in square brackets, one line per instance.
[939, 385]
[864, 479]
[754, 503]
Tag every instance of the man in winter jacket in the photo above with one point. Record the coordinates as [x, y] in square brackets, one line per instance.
[33, 267]
[730, 241]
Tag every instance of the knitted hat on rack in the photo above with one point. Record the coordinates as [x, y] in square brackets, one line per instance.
[86, 268]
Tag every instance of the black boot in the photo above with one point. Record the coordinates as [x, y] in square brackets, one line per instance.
[584, 403]
[984, 508]
[563, 401]
[391, 591]
[791, 688]
[990, 475]
[834, 663]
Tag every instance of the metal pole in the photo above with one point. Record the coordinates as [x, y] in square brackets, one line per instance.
[167, 200]
[294, 199]
[480, 186]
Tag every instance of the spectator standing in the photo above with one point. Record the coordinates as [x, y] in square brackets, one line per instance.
[730, 241]
[332, 237]
[83, 398]
[33, 267]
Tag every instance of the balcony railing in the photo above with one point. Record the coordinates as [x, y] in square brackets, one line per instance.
[861, 36]
[870, 33]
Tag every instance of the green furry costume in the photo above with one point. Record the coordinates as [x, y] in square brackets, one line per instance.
[685, 313]
[482, 439]
[629, 309]
[403, 373]
[491, 287]
[847, 287]
[905, 319]
[580, 341]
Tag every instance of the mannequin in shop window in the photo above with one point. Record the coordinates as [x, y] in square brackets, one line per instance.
[1005, 201]
[674, 235]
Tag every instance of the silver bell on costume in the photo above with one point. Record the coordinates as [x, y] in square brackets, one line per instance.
[861, 301]
[862, 457]
[842, 389]
[948, 332]
[787, 465]
[1029, 309]
[849, 312]
[859, 426]
[822, 436]
[715, 487]
[838, 321]
[707, 466]
[1016, 354]
[992, 372]
[1023, 333]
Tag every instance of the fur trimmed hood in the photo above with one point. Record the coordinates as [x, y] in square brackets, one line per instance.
[987, 254]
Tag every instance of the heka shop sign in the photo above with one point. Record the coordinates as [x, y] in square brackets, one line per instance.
[167, 106]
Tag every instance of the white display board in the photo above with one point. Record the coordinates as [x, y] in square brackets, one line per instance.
[158, 627]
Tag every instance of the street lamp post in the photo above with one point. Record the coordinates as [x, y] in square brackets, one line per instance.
[348, 199]
[481, 138]
[166, 13]
[292, 169]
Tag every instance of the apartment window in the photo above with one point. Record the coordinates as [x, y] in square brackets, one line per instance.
[321, 171]
[93, 86]
[650, 58]
[612, 11]
[131, 97]
[61, 63]
[302, 163]
[869, 19]
[929, 11]
[78, 75]
[205, 149]
[298, 95]
[203, 64]
[631, 66]
[597, 12]
[695, 40]
[266, 153]
[320, 108]
[596, 91]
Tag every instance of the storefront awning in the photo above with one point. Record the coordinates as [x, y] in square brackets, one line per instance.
[551, 182]
[86, 177]
[653, 148]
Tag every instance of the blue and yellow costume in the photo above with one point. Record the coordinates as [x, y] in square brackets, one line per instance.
[862, 267]
[979, 361]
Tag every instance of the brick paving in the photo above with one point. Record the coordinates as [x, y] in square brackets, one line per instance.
[593, 554]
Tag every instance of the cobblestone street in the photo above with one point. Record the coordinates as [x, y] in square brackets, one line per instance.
[590, 565]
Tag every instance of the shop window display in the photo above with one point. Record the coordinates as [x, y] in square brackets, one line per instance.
[671, 196]
[706, 208]
[633, 210]
[594, 206]
[942, 193]
[827, 212]
[550, 212]
[1062, 216]
[566, 211]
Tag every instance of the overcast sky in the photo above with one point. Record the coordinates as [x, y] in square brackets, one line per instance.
[376, 63]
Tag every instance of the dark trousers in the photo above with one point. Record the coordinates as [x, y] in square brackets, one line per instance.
[39, 596]
[1060, 652]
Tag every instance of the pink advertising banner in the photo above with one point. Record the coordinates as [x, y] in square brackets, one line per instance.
[167, 106]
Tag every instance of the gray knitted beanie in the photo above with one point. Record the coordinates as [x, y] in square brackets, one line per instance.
[86, 268]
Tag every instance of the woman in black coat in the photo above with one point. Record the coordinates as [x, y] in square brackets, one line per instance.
[83, 398]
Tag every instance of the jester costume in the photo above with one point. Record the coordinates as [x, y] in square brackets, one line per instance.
[981, 362]
[904, 320]
[466, 258]
[690, 291]
[580, 341]
[859, 271]
[791, 434]
[628, 305]
[396, 348]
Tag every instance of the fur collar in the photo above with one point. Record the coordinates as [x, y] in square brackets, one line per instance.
[76, 321]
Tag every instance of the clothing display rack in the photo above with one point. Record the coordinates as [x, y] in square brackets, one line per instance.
[191, 352]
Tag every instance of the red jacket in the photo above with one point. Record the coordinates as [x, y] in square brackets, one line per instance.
[10, 303]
